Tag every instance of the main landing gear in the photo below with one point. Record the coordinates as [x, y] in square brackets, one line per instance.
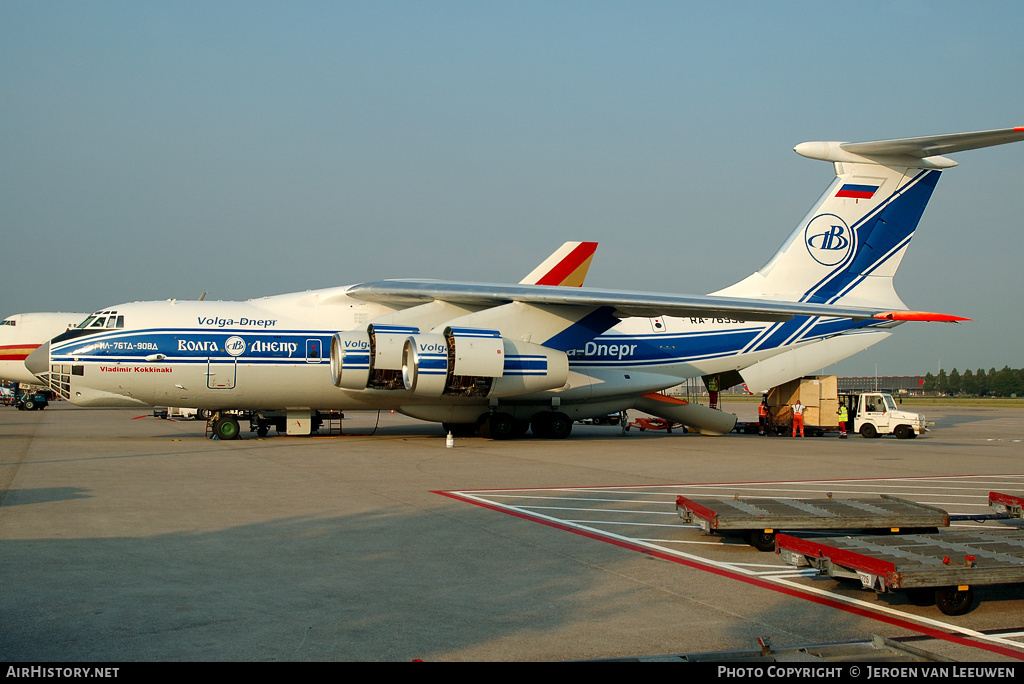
[499, 426]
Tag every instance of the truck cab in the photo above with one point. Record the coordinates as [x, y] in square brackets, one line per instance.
[876, 413]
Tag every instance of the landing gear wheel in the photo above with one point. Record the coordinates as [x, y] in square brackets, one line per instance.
[762, 541]
[560, 425]
[921, 597]
[498, 426]
[868, 431]
[902, 432]
[226, 427]
[551, 425]
[953, 600]
[204, 414]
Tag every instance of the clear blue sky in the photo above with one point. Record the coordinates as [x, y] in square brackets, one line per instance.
[151, 150]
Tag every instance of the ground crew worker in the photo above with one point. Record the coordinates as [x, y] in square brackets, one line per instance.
[798, 417]
[844, 416]
[762, 417]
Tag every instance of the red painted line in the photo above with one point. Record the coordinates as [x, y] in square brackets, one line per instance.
[739, 484]
[729, 574]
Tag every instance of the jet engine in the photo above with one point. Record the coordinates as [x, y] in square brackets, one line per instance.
[468, 362]
[370, 359]
[460, 362]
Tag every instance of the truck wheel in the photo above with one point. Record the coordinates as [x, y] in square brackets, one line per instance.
[953, 601]
[868, 431]
[226, 427]
[902, 432]
[762, 541]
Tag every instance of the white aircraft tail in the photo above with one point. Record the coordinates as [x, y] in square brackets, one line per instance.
[849, 245]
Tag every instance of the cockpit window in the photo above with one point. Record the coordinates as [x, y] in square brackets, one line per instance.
[9, 323]
[102, 319]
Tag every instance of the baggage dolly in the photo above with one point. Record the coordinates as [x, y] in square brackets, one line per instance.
[938, 568]
[757, 519]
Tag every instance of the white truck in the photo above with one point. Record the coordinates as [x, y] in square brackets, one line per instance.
[876, 413]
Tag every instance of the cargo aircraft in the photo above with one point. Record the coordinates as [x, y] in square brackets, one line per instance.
[504, 359]
[21, 334]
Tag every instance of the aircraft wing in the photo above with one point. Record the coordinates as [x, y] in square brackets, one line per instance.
[929, 146]
[625, 303]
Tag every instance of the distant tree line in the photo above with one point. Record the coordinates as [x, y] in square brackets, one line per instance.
[1002, 383]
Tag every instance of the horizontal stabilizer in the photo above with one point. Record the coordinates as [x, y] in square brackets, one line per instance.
[923, 152]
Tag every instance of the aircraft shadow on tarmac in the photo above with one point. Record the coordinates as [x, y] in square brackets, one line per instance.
[22, 497]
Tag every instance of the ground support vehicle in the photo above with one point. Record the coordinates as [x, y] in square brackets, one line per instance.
[32, 401]
[224, 424]
[645, 423]
[177, 413]
[875, 413]
[757, 519]
[941, 568]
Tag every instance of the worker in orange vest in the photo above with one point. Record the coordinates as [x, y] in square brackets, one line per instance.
[798, 417]
[762, 418]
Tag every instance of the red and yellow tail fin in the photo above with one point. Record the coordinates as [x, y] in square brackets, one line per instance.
[567, 266]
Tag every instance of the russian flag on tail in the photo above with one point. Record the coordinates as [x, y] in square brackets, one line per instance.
[857, 191]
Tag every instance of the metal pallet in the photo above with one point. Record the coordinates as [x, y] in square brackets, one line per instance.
[759, 518]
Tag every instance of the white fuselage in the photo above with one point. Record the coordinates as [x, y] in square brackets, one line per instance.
[273, 354]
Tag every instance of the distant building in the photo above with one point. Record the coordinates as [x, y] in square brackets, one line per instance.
[894, 384]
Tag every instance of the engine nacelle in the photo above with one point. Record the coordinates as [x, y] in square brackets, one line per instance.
[479, 363]
[371, 359]
[350, 359]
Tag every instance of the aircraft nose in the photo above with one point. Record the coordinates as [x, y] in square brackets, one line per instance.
[39, 361]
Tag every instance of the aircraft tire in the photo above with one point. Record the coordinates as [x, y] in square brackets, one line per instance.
[226, 427]
[498, 426]
[551, 425]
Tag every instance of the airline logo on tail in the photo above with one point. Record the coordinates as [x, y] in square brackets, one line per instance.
[829, 240]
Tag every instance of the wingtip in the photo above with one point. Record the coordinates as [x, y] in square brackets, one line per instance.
[919, 316]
